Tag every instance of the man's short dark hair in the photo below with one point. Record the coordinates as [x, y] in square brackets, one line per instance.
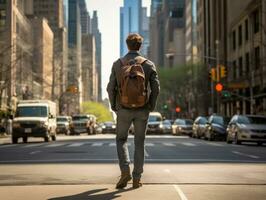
[134, 41]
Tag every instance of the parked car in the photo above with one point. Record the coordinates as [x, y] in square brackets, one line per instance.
[154, 121]
[247, 128]
[199, 127]
[216, 127]
[34, 118]
[80, 124]
[166, 127]
[63, 124]
[108, 127]
[182, 126]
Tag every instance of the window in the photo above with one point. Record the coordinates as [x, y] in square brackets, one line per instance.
[2, 1]
[247, 63]
[246, 30]
[234, 69]
[234, 40]
[240, 35]
[2, 18]
[240, 65]
[257, 57]
[256, 21]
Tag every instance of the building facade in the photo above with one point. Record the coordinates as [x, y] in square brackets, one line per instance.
[43, 39]
[16, 52]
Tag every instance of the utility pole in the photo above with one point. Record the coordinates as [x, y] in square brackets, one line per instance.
[251, 93]
[217, 75]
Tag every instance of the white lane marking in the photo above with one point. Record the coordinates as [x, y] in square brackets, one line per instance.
[169, 144]
[149, 144]
[77, 144]
[180, 193]
[35, 152]
[113, 144]
[247, 155]
[164, 136]
[146, 153]
[55, 145]
[214, 144]
[8, 145]
[33, 145]
[188, 144]
[97, 144]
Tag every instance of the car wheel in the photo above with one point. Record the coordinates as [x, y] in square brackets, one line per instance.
[46, 138]
[25, 139]
[53, 137]
[228, 141]
[14, 140]
[259, 143]
[237, 141]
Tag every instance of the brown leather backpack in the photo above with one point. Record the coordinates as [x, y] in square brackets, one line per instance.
[132, 91]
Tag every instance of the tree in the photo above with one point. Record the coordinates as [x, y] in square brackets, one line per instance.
[98, 109]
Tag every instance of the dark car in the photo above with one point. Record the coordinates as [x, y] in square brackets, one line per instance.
[247, 128]
[182, 126]
[199, 127]
[108, 127]
[216, 127]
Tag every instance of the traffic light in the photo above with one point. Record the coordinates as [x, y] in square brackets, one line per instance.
[165, 106]
[72, 89]
[223, 71]
[226, 94]
[212, 74]
[219, 87]
[177, 109]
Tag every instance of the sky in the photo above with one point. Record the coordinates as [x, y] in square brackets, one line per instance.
[108, 14]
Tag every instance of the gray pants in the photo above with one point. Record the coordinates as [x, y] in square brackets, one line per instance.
[139, 118]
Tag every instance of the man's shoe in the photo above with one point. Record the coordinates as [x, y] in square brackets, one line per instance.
[136, 183]
[125, 177]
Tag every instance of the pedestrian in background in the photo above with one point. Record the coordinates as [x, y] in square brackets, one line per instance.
[133, 89]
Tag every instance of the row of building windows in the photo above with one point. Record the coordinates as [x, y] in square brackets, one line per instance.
[245, 69]
[2, 17]
[255, 28]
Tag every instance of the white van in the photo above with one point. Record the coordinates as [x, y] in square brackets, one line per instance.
[34, 118]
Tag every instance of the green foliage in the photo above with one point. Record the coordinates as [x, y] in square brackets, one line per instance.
[99, 110]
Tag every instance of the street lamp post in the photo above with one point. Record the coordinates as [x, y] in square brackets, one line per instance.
[217, 74]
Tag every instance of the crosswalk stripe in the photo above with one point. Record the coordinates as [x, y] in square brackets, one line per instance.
[112, 144]
[33, 145]
[77, 144]
[55, 145]
[149, 144]
[8, 145]
[188, 144]
[97, 144]
[214, 144]
[169, 144]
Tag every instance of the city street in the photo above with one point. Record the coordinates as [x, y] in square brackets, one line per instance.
[177, 167]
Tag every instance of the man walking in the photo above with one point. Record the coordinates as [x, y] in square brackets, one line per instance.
[133, 89]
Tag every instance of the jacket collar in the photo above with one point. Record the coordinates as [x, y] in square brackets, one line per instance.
[133, 52]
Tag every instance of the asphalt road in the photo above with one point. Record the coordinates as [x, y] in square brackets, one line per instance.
[180, 167]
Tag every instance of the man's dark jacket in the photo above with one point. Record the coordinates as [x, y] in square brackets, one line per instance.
[151, 82]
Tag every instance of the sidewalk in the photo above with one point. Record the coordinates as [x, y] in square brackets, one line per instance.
[88, 192]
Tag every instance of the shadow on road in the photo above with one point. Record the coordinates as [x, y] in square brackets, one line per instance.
[92, 195]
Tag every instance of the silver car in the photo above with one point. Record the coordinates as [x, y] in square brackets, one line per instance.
[247, 128]
[182, 126]
[199, 127]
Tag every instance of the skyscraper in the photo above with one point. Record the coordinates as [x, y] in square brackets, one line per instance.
[130, 21]
[98, 41]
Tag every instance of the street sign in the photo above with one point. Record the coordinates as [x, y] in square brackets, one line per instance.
[241, 85]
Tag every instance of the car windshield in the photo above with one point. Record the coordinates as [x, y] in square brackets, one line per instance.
[153, 118]
[78, 118]
[203, 120]
[166, 122]
[32, 111]
[220, 120]
[188, 122]
[61, 119]
[180, 122]
[109, 123]
[252, 120]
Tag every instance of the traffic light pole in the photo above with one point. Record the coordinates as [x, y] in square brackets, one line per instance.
[218, 75]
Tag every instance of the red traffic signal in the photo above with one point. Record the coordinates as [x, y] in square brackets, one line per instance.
[178, 109]
[219, 87]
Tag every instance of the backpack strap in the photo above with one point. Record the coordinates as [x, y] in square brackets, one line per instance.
[140, 60]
